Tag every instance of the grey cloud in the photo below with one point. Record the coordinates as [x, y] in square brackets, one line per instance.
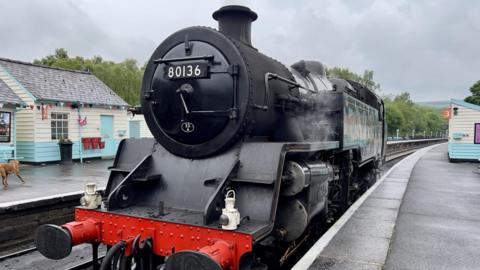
[33, 29]
[429, 48]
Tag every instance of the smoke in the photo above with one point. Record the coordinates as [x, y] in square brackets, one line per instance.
[321, 120]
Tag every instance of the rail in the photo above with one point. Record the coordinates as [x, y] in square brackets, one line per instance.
[17, 253]
[83, 264]
[396, 149]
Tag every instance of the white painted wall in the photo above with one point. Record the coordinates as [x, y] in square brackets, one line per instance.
[25, 121]
[92, 129]
[463, 122]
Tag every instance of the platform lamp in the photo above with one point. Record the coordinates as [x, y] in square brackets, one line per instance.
[455, 111]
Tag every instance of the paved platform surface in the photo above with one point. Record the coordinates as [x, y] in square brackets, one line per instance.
[53, 179]
[439, 221]
[424, 214]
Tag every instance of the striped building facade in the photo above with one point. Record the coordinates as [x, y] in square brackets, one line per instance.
[63, 104]
[464, 131]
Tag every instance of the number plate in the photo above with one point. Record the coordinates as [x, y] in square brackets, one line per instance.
[186, 71]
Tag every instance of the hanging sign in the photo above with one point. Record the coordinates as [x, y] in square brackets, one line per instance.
[44, 112]
[82, 122]
[446, 113]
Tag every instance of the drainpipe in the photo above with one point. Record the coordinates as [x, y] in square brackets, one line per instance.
[80, 135]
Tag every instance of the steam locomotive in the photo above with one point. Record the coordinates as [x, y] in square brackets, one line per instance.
[248, 157]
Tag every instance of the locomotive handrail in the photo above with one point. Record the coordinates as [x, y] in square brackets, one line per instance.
[280, 78]
[202, 57]
[269, 76]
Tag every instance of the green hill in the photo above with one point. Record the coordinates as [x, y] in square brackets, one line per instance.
[435, 104]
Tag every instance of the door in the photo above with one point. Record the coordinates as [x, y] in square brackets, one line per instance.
[134, 127]
[106, 131]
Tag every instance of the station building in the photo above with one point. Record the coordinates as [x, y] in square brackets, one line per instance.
[63, 104]
[138, 127]
[464, 131]
[9, 104]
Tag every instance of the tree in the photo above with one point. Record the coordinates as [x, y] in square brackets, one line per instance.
[394, 117]
[404, 98]
[124, 78]
[61, 53]
[475, 97]
[366, 79]
[403, 114]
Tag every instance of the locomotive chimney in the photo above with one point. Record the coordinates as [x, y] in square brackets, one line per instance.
[235, 22]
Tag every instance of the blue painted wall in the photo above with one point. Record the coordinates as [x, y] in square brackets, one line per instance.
[134, 127]
[6, 152]
[106, 131]
[467, 151]
[50, 151]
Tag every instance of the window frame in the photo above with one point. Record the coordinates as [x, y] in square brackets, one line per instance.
[9, 127]
[476, 132]
[55, 128]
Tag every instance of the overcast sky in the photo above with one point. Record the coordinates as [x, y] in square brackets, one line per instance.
[429, 48]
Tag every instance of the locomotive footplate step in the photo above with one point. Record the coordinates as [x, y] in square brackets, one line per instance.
[421, 215]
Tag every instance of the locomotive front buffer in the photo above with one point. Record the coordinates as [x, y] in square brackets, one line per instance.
[138, 238]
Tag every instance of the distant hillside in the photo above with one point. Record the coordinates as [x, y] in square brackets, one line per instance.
[435, 104]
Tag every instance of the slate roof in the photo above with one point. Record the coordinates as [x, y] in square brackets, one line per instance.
[7, 95]
[57, 84]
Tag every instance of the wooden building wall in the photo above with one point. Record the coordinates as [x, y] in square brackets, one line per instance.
[461, 131]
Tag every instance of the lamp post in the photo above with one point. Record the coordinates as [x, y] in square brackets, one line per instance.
[397, 134]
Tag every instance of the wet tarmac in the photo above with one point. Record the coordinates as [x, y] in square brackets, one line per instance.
[439, 221]
[54, 179]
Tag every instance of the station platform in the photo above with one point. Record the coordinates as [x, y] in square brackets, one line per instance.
[53, 180]
[423, 214]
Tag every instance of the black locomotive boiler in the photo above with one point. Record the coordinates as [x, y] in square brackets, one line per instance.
[248, 156]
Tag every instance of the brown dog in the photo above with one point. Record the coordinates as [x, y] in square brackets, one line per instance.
[8, 168]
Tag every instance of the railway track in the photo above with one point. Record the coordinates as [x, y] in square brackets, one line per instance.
[395, 150]
[83, 264]
[17, 253]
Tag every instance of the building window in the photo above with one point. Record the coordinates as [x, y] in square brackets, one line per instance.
[59, 126]
[5, 127]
